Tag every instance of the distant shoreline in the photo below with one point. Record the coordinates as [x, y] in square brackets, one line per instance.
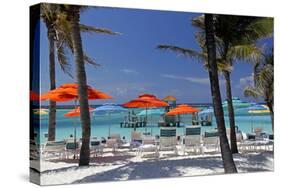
[72, 106]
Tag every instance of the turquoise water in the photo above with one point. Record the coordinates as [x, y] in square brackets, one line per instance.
[100, 125]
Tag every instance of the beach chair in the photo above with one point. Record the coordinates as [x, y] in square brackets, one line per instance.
[117, 137]
[136, 139]
[72, 148]
[54, 148]
[211, 140]
[96, 147]
[192, 139]
[148, 145]
[239, 136]
[112, 143]
[135, 136]
[168, 139]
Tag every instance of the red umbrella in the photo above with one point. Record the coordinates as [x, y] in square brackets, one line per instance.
[146, 101]
[74, 113]
[182, 109]
[34, 96]
[68, 92]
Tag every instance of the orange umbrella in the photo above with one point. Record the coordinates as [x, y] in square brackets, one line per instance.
[75, 112]
[68, 92]
[34, 96]
[182, 109]
[145, 101]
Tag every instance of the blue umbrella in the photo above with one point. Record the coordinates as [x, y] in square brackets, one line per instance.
[108, 109]
[151, 112]
[206, 112]
[252, 108]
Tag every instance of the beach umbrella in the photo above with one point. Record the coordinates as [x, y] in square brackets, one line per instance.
[109, 108]
[75, 113]
[182, 109]
[151, 112]
[34, 96]
[257, 109]
[69, 92]
[40, 111]
[206, 112]
[145, 101]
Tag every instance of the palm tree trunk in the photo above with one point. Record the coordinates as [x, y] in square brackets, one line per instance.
[228, 163]
[270, 106]
[231, 116]
[74, 15]
[52, 73]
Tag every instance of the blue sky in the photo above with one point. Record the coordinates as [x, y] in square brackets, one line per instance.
[132, 65]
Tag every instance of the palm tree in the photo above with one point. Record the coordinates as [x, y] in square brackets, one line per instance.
[228, 162]
[264, 83]
[230, 47]
[240, 44]
[59, 39]
[49, 16]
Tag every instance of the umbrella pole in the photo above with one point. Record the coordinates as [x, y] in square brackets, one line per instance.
[252, 123]
[74, 130]
[151, 125]
[145, 119]
[109, 125]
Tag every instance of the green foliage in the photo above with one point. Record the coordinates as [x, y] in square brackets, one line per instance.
[55, 18]
[263, 80]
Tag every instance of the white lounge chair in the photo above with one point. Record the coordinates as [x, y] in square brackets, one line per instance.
[117, 137]
[72, 148]
[96, 147]
[211, 140]
[168, 139]
[54, 148]
[192, 139]
[148, 145]
[239, 136]
[135, 136]
[112, 143]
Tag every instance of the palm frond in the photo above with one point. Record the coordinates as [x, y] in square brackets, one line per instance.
[198, 22]
[184, 51]
[248, 52]
[91, 29]
[91, 61]
[63, 60]
[261, 28]
[250, 91]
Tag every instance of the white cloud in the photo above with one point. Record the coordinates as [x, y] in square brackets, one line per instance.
[129, 71]
[197, 80]
[246, 81]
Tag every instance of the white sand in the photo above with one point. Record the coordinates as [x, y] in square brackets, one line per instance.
[129, 167]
